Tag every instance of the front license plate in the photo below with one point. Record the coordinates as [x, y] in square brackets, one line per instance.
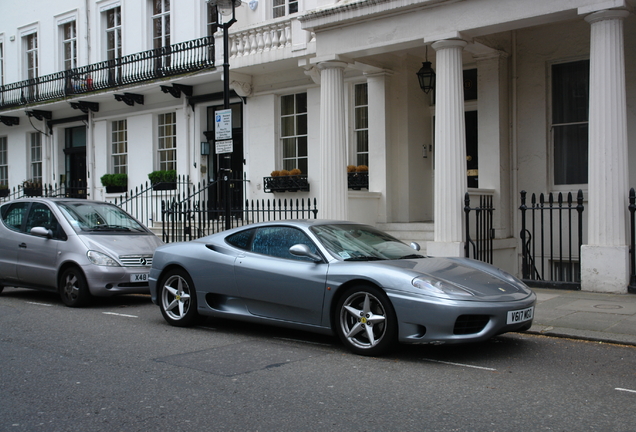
[139, 277]
[522, 315]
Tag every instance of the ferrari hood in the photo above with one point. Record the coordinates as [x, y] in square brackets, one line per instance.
[485, 282]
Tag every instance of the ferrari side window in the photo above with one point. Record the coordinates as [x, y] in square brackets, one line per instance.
[241, 239]
[276, 241]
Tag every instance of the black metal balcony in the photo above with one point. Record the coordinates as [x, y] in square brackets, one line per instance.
[177, 59]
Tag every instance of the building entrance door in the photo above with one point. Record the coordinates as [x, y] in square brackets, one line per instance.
[75, 155]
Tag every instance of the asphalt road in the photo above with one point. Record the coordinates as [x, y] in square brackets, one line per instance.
[117, 366]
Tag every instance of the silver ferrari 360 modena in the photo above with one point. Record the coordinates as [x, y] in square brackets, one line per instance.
[337, 277]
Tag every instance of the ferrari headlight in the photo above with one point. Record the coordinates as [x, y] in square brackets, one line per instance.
[436, 287]
[101, 259]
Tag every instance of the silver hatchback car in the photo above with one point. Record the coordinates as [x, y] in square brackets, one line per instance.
[76, 247]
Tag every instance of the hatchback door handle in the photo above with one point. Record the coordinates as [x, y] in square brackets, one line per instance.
[22, 246]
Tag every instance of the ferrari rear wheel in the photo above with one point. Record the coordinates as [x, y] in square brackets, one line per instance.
[178, 299]
[366, 322]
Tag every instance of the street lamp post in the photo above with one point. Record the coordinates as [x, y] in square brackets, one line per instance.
[226, 8]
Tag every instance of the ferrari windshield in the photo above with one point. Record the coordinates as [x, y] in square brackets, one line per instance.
[362, 243]
[99, 217]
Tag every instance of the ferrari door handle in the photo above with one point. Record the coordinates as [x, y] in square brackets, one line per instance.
[22, 246]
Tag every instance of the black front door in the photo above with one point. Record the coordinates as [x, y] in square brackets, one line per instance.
[75, 154]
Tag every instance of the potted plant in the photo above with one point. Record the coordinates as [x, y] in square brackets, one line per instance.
[4, 190]
[286, 181]
[115, 183]
[358, 177]
[163, 180]
[32, 188]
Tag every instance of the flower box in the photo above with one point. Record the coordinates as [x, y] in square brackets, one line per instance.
[292, 183]
[358, 180]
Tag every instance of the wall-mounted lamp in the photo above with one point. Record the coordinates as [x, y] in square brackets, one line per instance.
[426, 75]
[205, 148]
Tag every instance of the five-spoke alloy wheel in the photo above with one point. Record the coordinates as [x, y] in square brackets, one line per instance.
[178, 301]
[366, 321]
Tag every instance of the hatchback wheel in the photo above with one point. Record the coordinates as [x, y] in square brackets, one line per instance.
[366, 321]
[73, 288]
[178, 299]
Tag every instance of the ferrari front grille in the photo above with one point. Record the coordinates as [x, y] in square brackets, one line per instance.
[469, 324]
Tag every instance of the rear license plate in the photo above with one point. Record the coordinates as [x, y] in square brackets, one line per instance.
[139, 277]
[522, 315]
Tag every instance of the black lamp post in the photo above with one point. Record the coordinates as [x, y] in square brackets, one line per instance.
[226, 8]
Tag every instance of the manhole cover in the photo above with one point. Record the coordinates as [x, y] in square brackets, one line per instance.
[608, 306]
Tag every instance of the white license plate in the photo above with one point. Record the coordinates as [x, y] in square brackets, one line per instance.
[522, 315]
[139, 277]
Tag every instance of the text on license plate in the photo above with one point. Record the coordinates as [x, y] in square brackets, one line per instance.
[139, 277]
[520, 315]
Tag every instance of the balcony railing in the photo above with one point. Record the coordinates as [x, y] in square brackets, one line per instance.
[177, 59]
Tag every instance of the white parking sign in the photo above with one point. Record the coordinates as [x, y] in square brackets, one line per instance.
[223, 125]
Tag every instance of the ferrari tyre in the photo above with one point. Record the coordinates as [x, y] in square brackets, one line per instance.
[178, 298]
[73, 288]
[366, 322]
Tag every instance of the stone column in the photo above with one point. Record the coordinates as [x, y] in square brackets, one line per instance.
[605, 259]
[333, 193]
[450, 150]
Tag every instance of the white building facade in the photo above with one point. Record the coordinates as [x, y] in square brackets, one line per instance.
[537, 96]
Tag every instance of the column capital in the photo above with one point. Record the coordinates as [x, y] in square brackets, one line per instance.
[332, 64]
[449, 43]
[612, 14]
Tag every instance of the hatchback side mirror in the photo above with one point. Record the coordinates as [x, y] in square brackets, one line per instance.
[303, 251]
[415, 246]
[42, 232]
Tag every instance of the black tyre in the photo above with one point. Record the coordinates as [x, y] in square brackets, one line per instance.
[365, 321]
[178, 299]
[73, 288]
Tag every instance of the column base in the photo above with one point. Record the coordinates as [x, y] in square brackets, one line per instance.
[605, 268]
[445, 249]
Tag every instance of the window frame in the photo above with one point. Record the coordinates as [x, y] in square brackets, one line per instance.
[4, 161]
[296, 115]
[69, 43]
[162, 138]
[35, 157]
[117, 167]
[165, 24]
[284, 8]
[355, 147]
[552, 127]
[28, 53]
[116, 30]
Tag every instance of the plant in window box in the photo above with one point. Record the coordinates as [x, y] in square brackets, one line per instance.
[286, 181]
[163, 180]
[4, 190]
[358, 177]
[115, 183]
[31, 188]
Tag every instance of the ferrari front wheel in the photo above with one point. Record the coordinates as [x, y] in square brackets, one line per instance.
[178, 299]
[366, 322]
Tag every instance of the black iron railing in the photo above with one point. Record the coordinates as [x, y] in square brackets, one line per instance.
[481, 242]
[161, 62]
[551, 240]
[71, 190]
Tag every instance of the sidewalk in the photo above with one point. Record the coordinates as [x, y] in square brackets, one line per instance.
[585, 315]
